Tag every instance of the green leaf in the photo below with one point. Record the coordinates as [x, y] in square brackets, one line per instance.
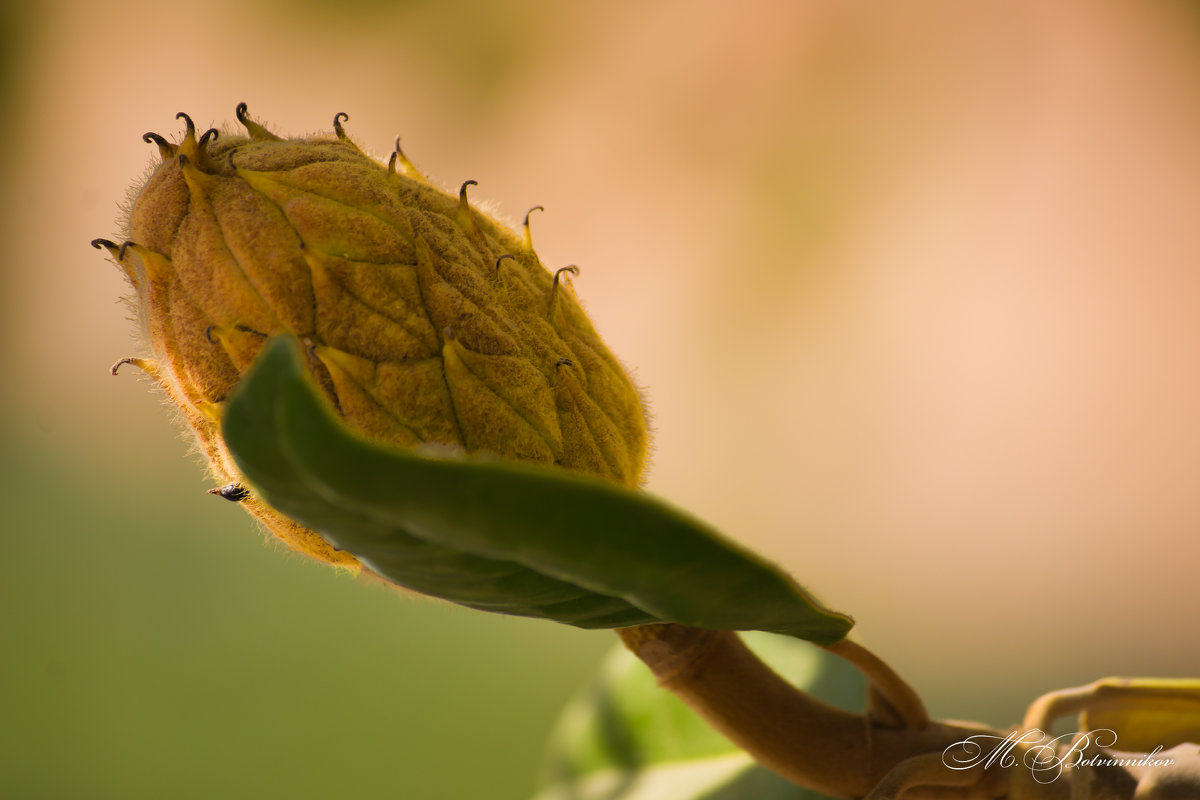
[625, 738]
[500, 535]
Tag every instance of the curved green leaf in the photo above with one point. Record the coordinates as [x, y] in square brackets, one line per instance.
[625, 738]
[501, 535]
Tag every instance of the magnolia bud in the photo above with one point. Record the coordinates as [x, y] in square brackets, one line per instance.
[424, 320]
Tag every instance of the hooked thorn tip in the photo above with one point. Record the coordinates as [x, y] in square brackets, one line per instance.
[501, 258]
[403, 164]
[530, 211]
[257, 132]
[191, 126]
[574, 270]
[117, 366]
[338, 119]
[466, 220]
[165, 148]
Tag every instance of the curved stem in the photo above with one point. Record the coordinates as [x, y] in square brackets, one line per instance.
[803, 739]
[902, 701]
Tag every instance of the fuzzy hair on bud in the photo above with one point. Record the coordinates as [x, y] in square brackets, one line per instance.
[425, 322]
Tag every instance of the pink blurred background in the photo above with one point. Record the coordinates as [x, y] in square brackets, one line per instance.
[913, 288]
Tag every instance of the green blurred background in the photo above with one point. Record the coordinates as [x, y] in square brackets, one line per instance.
[913, 289]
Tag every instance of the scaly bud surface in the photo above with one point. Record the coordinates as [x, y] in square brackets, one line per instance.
[425, 321]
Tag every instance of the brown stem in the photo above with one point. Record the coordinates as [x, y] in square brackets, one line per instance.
[848, 755]
[803, 739]
[901, 701]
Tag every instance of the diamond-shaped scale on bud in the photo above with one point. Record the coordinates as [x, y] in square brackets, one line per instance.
[424, 320]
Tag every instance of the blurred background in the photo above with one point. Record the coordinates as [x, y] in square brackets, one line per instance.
[914, 290]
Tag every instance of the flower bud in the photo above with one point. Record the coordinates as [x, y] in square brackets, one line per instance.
[424, 320]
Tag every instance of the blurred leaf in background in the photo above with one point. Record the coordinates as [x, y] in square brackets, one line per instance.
[153, 647]
[625, 738]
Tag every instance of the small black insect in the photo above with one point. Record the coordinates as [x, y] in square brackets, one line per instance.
[233, 492]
